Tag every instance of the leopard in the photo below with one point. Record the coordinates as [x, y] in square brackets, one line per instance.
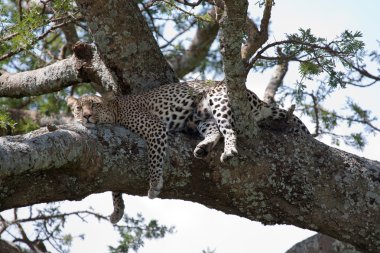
[201, 105]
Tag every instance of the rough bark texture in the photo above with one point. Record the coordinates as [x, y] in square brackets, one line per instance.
[285, 179]
[231, 38]
[84, 66]
[256, 37]
[40, 81]
[322, 244]
[92, 68]
[126, 44]
[276, 178]
[7, 247]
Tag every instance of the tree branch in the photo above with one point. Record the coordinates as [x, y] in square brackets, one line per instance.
[35, 40]
[48, 79]
[275, 82]
[286, 179]
[126, 44]
[255, 37]
[198, 49]
[85, 65]
[231, 37]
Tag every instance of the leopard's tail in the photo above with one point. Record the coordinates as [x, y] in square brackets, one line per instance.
[118, 207]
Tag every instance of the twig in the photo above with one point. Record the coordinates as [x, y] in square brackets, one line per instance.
[20, 9]
[185, 11]
[169, 42]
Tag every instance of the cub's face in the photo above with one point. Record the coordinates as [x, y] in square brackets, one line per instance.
[90, 110]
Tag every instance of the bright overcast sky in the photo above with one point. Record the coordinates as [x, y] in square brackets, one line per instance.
[199, 228]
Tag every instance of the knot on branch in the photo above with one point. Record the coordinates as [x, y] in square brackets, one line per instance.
[83, 51]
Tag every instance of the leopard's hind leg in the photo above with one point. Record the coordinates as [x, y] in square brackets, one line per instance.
[209, 130]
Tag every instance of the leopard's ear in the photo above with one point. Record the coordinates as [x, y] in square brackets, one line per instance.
[71, 101]
[108, 96]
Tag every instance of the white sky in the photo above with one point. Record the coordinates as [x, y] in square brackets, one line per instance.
[198, 227]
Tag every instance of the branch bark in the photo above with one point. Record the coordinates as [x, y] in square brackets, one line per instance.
[126, 44]
[51, 78]
[7, 247]
[275, 82]
[84, 66]
[231, 37]
[285, 179]
[255, 37]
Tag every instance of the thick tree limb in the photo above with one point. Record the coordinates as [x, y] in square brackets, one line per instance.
[126, 44]
[285, 179]
[84, 65]
[48, 79]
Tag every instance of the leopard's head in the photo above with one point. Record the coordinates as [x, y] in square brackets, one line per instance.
[91, 109]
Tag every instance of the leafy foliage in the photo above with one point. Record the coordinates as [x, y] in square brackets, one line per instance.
[136, 231]
[317, 55]
[47, 224]
[6, 123]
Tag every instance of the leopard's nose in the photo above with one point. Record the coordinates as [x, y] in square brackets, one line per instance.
[87, 116]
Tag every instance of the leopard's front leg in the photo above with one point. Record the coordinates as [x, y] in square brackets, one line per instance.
[153, 130]
[157, 142]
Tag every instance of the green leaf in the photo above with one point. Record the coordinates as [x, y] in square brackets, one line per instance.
[309, 68]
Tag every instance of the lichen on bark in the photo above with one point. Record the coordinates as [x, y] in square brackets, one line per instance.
[129, 50]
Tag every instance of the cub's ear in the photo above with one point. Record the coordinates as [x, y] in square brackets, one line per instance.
[108, 96]
[71, 101]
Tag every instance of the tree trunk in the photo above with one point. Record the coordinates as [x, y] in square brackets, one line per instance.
[126, 44]
[285, 179]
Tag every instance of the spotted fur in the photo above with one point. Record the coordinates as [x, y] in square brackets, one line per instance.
[170, 107]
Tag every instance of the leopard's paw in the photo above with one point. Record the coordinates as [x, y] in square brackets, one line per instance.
[228, 154]
[153, 193]
[201, 151]
[155, 187]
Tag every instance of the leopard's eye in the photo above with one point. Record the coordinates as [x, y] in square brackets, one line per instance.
[78, 108]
